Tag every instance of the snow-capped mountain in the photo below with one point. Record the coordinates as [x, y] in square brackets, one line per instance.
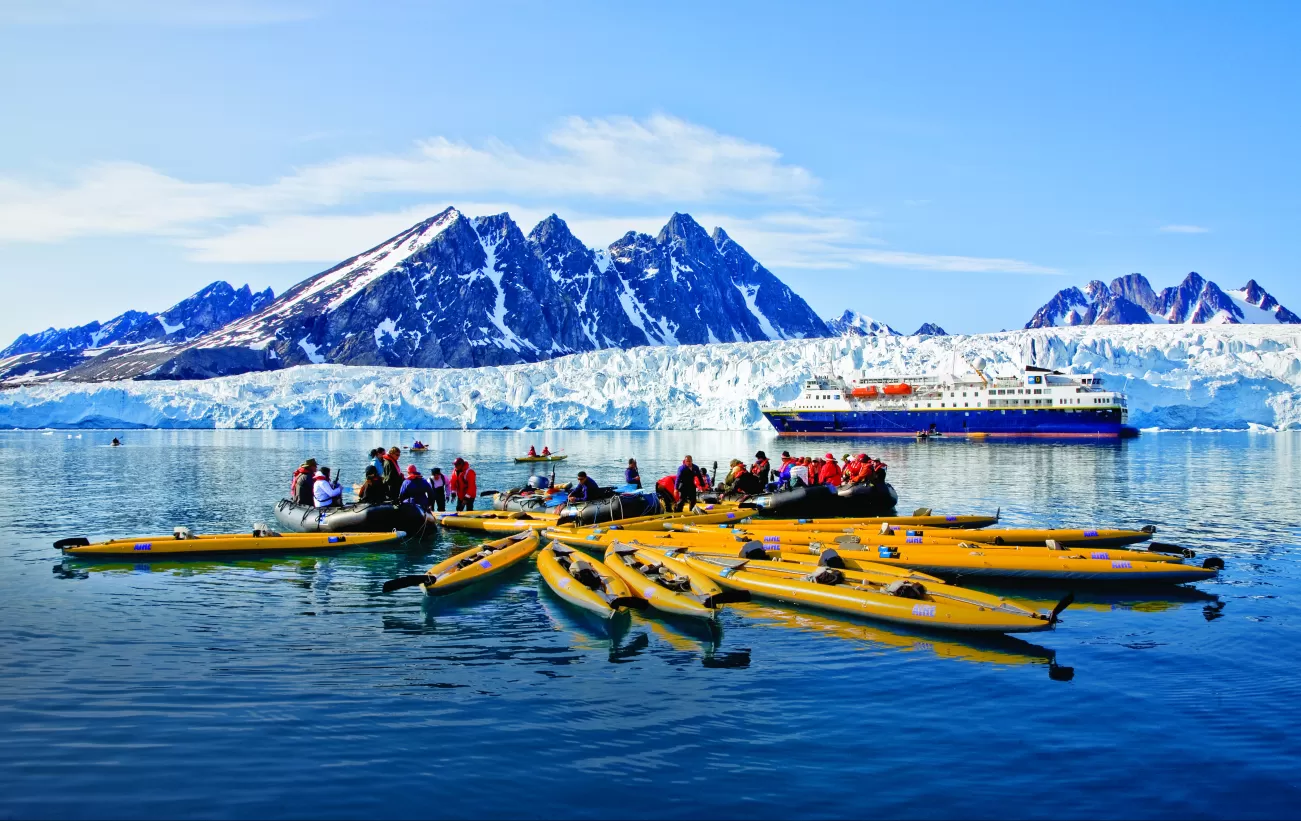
[455, 291]
[930, 329]
[852, 323]
[1130, 300]
[215, 306]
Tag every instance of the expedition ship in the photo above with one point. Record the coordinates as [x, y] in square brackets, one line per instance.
[1034, 402]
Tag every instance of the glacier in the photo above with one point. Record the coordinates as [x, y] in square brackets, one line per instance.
[1176, 377]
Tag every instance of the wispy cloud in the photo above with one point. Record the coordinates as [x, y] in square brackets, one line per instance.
[660, 159]
[634, 171]
[155, 12]
[1183, 229]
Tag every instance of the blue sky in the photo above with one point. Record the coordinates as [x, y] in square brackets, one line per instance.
[947, 162]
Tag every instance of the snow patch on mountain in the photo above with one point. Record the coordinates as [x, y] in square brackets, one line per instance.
[1178, 377]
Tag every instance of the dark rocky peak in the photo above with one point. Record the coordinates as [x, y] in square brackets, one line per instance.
[552, 235]
[1136, 289]
[1119, 310]
[930, 329]
[1067, 307]
[1253, 294]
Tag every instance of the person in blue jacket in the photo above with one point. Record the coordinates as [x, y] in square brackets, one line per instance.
[632, 476]
[586, 490]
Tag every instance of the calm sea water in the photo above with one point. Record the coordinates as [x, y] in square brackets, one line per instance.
[291, 687]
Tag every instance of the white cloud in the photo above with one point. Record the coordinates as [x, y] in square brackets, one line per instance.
[957, 264]
[618, 159]
[779, 240]
[158, 12]
[1183, 229]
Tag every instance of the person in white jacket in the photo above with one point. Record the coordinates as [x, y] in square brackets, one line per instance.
[327, 493]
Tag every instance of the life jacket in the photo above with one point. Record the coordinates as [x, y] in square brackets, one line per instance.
[533, 451]
[546, 451]
[760, 469]
[669, 484]
[830, 474]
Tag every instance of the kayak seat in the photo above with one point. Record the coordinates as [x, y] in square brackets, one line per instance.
[905, 589]
[585, 574]
[826, 575]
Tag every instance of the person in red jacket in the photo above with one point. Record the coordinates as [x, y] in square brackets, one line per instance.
[462, 484]
[667, 490]
[830, 474]
[859, 471]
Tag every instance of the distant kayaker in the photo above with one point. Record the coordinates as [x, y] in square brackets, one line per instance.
[326, 492]
[438, 482]
[300, 487]
[533, 451]
[586, 490]
[392, 473]
[462, 484]
[116, 442]
[685, 484]
[546, 451]
[372, 491]
[632, 476]
[416, 490]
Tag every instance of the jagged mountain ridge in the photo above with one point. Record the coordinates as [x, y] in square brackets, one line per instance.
[1131, 300]
[211, 308]
[455, 291]
[852, 323]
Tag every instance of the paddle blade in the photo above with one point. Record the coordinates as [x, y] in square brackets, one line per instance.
[635, 602]
[403, 582]
[1066, 602]
[727, 597]
[75, 541]
[1162, 547]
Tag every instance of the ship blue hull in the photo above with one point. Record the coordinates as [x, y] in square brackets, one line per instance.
[1101, 423]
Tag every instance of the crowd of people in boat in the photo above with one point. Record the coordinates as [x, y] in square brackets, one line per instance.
[386, 483]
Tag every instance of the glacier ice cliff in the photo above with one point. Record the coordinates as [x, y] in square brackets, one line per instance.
[1175, 376]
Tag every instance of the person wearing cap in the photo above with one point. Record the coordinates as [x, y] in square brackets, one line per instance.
[859, 470]
[438, 482]
[830, 474]
[372, 490]
[631, 475]
[586, 490]
[761, 467]
[300, 487]
[735, 470]
[325, 491]
[462, 485]
[416, 490]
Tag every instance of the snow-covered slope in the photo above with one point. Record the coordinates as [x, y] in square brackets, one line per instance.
[1175, 376]
[1130, 300]
[207, 310]
[852, 323]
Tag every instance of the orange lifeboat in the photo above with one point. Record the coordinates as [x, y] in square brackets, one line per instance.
[863, 393]
[902, 389]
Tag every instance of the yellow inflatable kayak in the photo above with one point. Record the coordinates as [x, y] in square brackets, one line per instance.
[585, 582]
[1022, 563]
[876, 521]
[552, 458]
[667, 584]
[477, 564]
[1069, 537]
[184, 543]
[798, 541]
[500, 523]
[900, 601]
